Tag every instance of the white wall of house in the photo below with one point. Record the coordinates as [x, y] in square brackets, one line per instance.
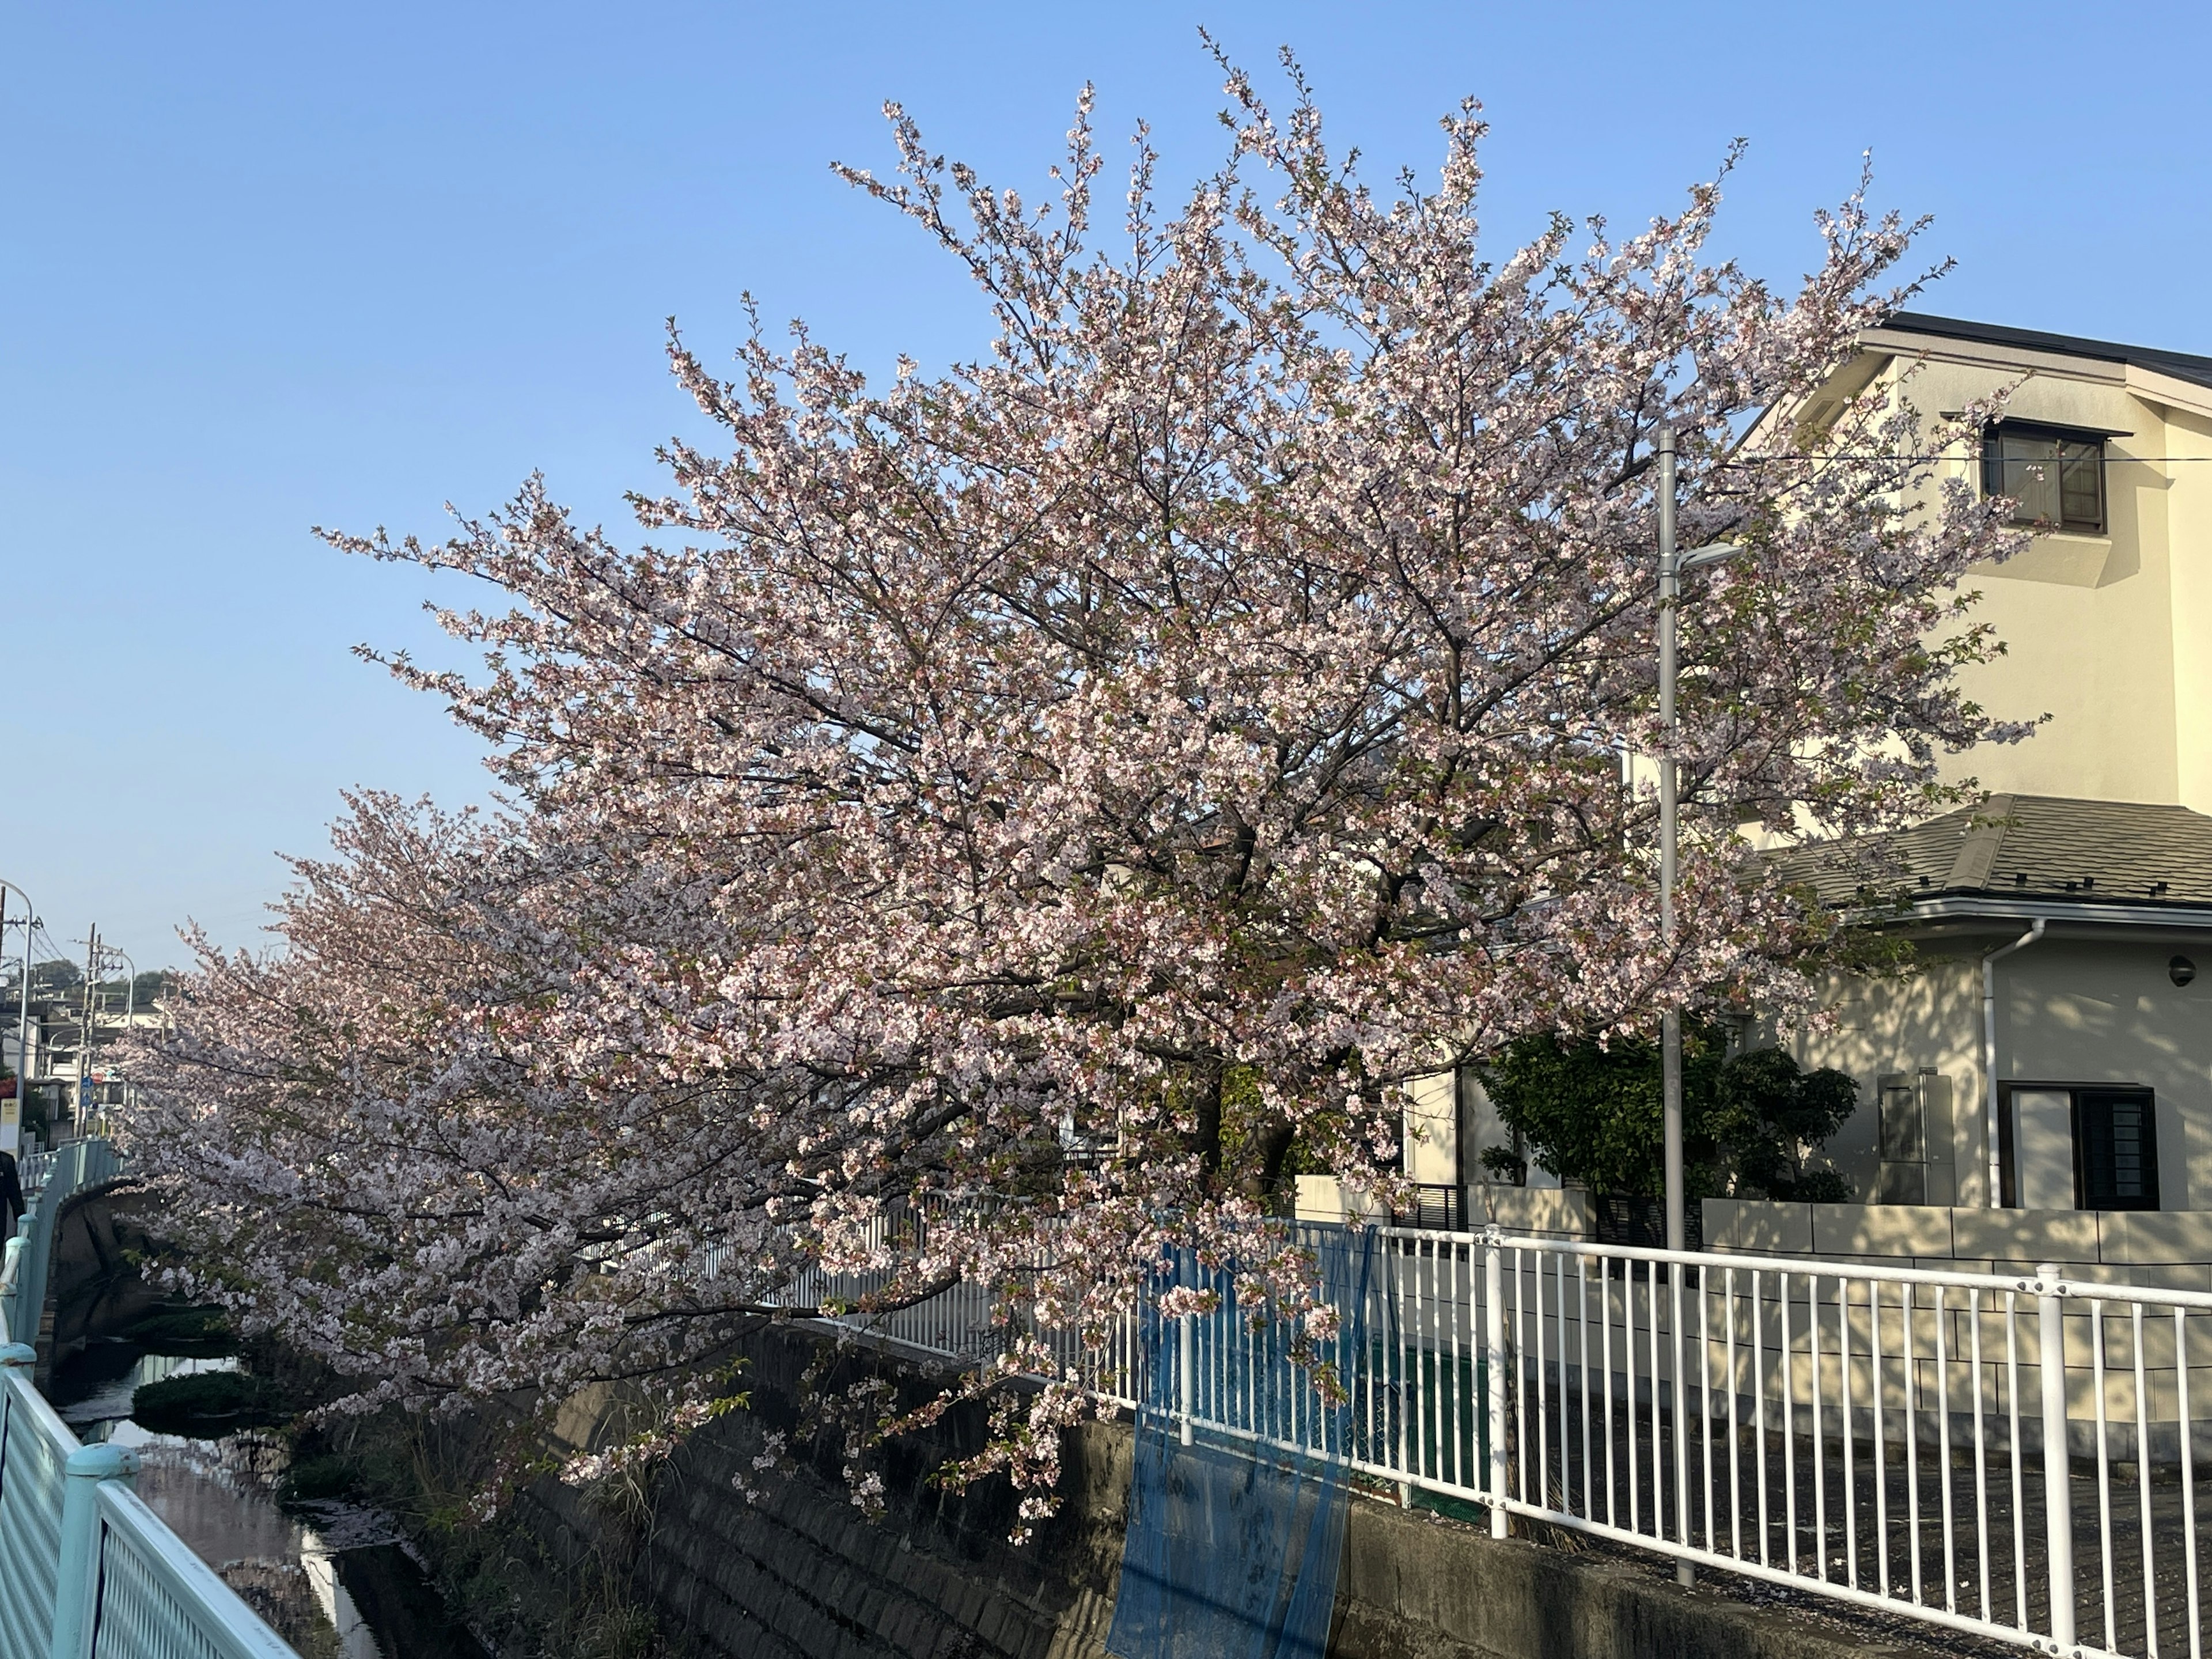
[1451, 1124]
[1432, 1131]
[2070, 1010]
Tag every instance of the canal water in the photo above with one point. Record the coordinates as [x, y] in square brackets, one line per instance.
[336, 1579]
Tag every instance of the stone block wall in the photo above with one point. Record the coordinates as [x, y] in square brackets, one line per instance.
[798, 1572]
[801, 1573]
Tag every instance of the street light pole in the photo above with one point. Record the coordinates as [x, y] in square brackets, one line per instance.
[1672, 565]
[1670, 1016]
[1670, 1029]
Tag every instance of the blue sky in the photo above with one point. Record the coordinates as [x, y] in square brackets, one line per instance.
[270, 266]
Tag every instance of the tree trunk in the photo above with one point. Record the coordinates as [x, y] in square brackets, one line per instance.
[1205, 1139]
[1271, 1150]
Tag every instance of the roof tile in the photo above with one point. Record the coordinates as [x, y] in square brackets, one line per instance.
[2040, 847]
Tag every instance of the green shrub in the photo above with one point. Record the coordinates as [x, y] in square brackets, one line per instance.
[1592, 1115]
[208, 1406]
[191, 1332]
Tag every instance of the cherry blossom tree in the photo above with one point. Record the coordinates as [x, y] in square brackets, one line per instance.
[1058, 786]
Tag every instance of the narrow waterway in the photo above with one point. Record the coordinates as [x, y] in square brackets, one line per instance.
[336, 1579]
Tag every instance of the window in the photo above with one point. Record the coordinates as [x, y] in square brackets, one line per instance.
[2057, 477]
[2116, 1149]
[2081, 1145]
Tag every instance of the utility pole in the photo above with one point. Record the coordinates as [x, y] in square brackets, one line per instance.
[11, 1135]
[1670, 1030]
[1672, 564]
[130, 1004]
[1670, 1016]
[11, 1120]
[23, 1025]
[84, 1046]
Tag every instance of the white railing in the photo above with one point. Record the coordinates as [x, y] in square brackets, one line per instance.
[1945, 1445]
[157, 1600]
[2014, 1457]
[961, 1323]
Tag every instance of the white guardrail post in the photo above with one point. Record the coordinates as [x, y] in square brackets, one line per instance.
[1186, 1342]
[1686, 1571]
[11, 1277]
[1493, 1360]
[77, 1582]
[2058, 1480]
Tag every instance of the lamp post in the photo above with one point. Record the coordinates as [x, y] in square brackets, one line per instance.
[1672, 566]
[1670, 1028]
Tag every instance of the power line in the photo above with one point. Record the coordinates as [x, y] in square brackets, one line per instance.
[2107, 460]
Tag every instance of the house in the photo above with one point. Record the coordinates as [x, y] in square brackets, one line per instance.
[2051, 1047]
[2053, 1051]
[2054, 991]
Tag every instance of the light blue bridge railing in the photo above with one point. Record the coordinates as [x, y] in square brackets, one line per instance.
[87, 1571]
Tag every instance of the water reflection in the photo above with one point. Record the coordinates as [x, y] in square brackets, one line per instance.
[110, 1389]
[302, 1572]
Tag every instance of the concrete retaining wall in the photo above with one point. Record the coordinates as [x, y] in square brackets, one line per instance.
[2168, 1248]
[800, 1573]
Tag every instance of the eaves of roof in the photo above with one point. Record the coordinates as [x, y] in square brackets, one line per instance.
[2181, 365]
[2163, 917]
[2110, 863]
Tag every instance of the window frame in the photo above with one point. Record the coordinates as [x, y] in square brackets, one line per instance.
[2008, 1151]
[2082, 1095]
[1993, 464]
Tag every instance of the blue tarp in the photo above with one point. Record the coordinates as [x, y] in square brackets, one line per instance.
[1234, 1540]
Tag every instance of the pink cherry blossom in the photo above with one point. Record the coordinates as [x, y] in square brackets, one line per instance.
[1037, 796]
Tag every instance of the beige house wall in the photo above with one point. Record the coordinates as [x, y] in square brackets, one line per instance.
[2070, 1010]
[1433, 1130]
[2109, 635]
[1930, 1018]
[2189, 521]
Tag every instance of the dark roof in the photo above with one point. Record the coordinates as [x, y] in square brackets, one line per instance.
[2045, 848]
[2180, 364]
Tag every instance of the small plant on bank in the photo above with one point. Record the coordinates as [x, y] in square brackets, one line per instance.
[185, 1332]
[319, 1479]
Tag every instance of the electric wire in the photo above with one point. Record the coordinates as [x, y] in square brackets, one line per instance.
[2108, 461]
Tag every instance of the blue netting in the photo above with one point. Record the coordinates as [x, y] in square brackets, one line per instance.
[1237, 1500]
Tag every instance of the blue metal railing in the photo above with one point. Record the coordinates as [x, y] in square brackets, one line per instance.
[87, 1571]
[52, 1179]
